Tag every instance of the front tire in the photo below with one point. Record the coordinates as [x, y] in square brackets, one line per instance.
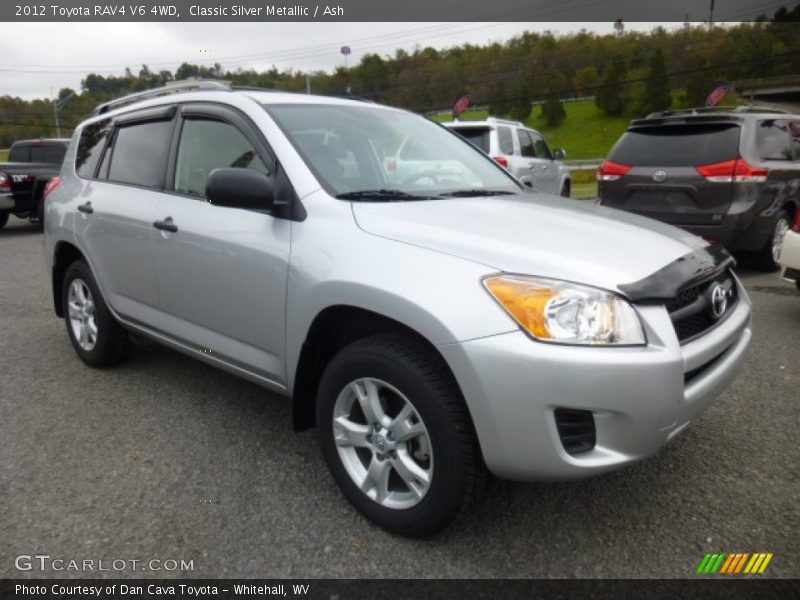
[397, 436]
[767, 257]
[565, 189]
[94, 332]
[3, 219]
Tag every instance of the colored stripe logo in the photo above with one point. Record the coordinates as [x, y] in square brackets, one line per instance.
[735, 562]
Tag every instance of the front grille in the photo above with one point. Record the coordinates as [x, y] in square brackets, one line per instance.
[576, 429]
[692, 310]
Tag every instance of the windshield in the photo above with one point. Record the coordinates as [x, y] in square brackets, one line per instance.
[373, 153]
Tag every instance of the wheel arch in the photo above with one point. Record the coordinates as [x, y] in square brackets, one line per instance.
[64, 255]
[333, 328]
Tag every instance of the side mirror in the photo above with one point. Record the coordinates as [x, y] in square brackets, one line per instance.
[240, 188]
[560, 154]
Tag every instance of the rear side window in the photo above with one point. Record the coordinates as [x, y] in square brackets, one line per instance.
[504, 140]
[140, 153]
[479, 136]
[90, 147]
[774, 140]
[20, 153]
[677, 146]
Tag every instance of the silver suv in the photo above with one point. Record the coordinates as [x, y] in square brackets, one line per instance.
[521, 150]
[432, 320]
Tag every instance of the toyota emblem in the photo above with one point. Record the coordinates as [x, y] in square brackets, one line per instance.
[659, 176]
[719, 301]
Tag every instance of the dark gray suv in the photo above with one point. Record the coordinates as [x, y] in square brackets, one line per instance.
[730, 175]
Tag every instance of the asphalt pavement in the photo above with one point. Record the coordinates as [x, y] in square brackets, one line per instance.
[166, 458]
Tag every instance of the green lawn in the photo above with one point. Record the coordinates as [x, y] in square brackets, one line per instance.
[586, 132]
[3, 155]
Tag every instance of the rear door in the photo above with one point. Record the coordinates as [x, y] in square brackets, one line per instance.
[656, 172]
[117, 205]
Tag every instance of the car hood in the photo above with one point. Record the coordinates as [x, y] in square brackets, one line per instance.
[534, 234]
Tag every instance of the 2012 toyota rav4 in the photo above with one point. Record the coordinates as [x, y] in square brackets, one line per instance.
[430, 326]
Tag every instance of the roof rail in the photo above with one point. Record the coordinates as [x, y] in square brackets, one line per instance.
[175, 87]
[503, 121]
[701, 110]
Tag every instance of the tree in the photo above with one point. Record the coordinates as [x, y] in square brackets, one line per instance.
[697, 84]
[585, 81]
[611, 98]
[553, 111]
[656, 94]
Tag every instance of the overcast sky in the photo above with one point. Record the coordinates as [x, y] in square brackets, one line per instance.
[65, 52]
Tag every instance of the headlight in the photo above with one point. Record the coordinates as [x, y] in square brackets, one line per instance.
[567, 313]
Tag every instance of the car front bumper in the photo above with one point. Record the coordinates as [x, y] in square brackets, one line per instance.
[640, 397]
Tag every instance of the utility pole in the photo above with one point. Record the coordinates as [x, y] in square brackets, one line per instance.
[711, 15]
[308, 83]
[57, 106]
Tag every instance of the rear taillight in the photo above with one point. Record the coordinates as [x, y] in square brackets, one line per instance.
[609, 171]
[5, 184]
[501, 160]
[796, 225]
[736, 170]
[51, 185]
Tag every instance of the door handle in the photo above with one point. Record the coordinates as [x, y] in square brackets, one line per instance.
[545, 167]
[86, 208]
[166, 225]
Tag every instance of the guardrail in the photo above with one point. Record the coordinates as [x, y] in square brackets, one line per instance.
[583, 165]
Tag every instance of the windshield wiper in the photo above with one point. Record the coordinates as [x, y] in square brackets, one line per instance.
[388, 195]
[476, 192]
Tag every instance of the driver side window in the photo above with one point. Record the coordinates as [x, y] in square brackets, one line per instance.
[208, 144]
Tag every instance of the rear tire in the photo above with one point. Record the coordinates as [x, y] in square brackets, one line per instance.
[767, 257]
[98, 339]
[566, 189]
[412, 474]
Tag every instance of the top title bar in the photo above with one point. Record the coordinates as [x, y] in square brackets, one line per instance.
[382, 10]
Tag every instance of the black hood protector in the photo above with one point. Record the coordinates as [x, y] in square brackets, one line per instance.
[687, 271]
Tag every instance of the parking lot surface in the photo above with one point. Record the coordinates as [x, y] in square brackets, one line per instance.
[166, 458]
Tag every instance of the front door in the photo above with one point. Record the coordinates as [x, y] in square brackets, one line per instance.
[221, 272]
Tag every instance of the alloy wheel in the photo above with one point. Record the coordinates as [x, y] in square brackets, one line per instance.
[781, 227]
[383, 443]
[82, 314]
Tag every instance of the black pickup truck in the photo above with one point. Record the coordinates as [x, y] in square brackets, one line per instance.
[32, 163]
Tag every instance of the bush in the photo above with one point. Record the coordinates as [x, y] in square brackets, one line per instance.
[553, 112]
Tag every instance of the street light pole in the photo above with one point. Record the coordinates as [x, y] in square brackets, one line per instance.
[57, 106]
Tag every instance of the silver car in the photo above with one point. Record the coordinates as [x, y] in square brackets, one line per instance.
[434, 327]
[521, 150]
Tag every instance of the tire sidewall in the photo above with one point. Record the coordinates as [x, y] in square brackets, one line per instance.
[444, 495]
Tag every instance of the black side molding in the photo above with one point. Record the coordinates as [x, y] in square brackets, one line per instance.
[687, 271]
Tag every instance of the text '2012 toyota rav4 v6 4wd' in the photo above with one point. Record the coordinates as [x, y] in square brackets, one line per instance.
[430, 326]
